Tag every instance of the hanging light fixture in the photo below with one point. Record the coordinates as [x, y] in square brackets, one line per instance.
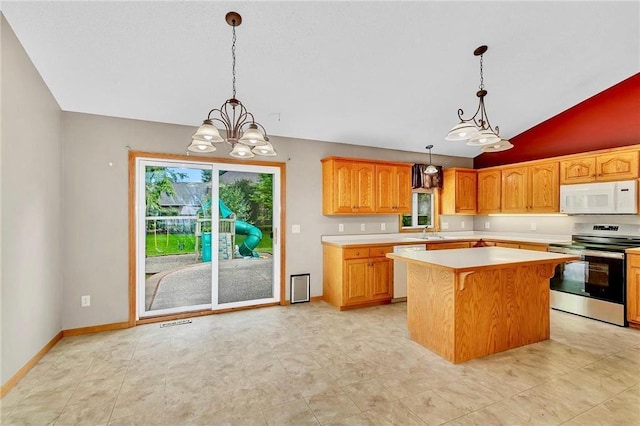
[501, 145]
[246, 136]
[477, 130]
[431, 169]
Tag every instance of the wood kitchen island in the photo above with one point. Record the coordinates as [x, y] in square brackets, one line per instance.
[468, 303]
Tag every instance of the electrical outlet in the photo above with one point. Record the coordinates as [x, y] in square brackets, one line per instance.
[533, 226]
[445, 225]
[341, 227]
[295, 229]
[383, 226]
[85, 301]
[362, 227]
[487, 225]
[462, 224]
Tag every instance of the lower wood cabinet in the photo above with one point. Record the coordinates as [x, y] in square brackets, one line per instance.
[449, 245]
[523, 246]
[633, 289]
[357, 276]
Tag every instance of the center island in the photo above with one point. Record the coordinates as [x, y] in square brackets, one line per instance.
[469, 303]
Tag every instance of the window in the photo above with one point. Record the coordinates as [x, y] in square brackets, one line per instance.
[422, 211]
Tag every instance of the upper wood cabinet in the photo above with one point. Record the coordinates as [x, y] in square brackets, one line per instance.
[393, 189]
[489, 190]
[606, 167]
[531, 189]
[459, 191]
[359, 187]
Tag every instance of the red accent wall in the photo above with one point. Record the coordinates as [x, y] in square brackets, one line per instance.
[607, 120]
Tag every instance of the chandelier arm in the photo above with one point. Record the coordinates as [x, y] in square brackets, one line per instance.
[253, 121]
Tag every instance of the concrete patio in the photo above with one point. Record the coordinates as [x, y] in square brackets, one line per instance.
[181, 280]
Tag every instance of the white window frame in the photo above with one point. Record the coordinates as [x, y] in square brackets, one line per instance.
[414, 210]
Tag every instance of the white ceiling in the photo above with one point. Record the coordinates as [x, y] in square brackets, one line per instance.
[384, 74]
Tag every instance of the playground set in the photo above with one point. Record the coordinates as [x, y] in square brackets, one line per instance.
[228, 227]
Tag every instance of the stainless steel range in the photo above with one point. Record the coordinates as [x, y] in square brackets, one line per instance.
[595, 285]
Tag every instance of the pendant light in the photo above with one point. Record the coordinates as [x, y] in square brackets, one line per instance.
[477, 130]
[431, 169]
[246, 136]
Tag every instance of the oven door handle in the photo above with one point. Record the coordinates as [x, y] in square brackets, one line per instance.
[591, 253]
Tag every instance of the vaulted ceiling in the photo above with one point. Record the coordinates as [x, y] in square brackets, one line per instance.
[383, 74]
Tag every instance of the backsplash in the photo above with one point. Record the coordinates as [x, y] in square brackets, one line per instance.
[545, 224]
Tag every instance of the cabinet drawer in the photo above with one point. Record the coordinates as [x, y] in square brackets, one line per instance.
[380, 251]
[356, 253]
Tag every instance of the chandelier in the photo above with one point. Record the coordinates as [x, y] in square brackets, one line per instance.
[477, 130]
[246, 136]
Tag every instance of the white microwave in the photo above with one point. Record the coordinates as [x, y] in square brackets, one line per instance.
[600, 198]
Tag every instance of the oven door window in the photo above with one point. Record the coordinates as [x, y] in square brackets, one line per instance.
[591, 276]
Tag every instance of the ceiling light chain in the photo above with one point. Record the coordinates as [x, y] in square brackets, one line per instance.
[233, 59]
[246, 136]
[477, 130]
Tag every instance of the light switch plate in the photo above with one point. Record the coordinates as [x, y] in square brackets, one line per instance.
[341, 227]
[462, 224]
[445, 225]
[295, 229]
[383, 226]
[85, 301]
[362, 227]
[487, 225]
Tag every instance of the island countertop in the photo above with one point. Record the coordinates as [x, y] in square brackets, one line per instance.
[473, 259]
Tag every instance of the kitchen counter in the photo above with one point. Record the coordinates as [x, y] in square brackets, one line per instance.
[475, 259]
[469, 303]
[416, 238]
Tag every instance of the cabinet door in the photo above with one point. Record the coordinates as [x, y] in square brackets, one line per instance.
[489, 191]
[403, 185]
[381, 278]
[385, 193]
[544, 188]
[579, 170]
[355, 283]
[619, 166]
[514, 190]
[343, 188]
[633, 289]
[393, 189]
[363, 178]
[466, 192]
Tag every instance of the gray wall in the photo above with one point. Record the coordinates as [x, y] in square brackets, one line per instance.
[95, 257]
[31, 215]
[545, 224]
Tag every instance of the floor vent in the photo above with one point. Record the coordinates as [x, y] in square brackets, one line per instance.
[172, 323]
[300, 288]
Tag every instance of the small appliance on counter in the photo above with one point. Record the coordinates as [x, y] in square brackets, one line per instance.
[594, 286]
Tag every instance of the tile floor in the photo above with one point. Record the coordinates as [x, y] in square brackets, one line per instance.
[311, 364]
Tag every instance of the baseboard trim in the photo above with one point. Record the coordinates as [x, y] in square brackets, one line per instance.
[95, 329]
[29, 365]
[317, 299]
[151, 320]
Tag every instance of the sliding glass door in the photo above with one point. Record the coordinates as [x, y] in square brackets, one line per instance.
[207, 236]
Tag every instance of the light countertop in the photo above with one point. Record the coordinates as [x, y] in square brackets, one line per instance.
[470, 259]
[416, 238]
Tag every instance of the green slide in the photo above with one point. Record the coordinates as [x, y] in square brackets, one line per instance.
[254, 234]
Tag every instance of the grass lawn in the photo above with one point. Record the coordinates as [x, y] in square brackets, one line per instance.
[163, 244]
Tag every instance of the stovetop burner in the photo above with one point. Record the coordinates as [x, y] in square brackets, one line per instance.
[603, 237]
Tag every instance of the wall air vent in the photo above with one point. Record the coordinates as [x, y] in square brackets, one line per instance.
[300, 288]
